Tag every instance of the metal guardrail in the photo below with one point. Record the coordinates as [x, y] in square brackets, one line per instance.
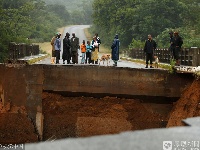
[21, 50]
[188, 56]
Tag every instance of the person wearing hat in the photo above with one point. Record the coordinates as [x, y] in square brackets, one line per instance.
[66, 49]
[178, 42]
[53, 53]
[74, 48]
[115, 50]
[57, 44]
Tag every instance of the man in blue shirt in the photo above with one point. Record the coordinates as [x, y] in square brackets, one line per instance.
[57, 47]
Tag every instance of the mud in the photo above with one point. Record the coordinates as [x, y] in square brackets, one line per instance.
[66, 117]
[16, 128]
[187, 106]
[86, 116]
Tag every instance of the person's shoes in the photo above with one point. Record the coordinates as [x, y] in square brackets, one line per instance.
[146, 66]
[151, 67]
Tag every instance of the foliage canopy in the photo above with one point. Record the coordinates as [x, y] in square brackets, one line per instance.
[133, 20]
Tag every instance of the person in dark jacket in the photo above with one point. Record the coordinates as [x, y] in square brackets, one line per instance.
[172, 46]
[177, 44]
[115, 50]
[74, 48]
[66, 49]
[150, 46]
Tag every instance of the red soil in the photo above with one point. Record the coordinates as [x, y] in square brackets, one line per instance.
[187, 106]
[82, 116]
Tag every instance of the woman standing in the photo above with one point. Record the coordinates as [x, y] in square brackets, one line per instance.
[115, 50]
[95, 46]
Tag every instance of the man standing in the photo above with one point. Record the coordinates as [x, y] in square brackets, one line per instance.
[53, 53]
[57, 44]
[66, 49]
[150, 46]
[74, 48]
[115, 50]
[177, 44]
[172, 47]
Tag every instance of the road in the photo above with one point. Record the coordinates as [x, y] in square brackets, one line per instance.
[79, 31]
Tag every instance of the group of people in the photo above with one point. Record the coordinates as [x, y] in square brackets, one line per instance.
[89, 50]
[175, 47]
[70, 48]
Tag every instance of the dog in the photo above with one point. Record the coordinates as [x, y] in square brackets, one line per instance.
[105, 57]
[156, 61]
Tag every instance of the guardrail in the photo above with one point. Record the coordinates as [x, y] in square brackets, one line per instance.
[188, 56]
[21, 50]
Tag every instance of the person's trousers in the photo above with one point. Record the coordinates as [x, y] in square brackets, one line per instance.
[74, 57]
[83, 58]
[57, 56]
[88, 57]
[149, 57]
[176, 53]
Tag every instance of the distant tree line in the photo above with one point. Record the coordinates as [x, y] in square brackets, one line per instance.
[35, 21]
[133, 20]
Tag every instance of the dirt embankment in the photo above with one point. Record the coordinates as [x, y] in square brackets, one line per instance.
[84, 116]
[187, 106]
[15, 126]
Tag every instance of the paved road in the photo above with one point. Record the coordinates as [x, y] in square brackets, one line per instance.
[79, 31]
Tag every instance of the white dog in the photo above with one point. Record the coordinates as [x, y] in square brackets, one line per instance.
[156, 61]
[105, 57]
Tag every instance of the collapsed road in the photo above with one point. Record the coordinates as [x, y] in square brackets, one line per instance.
[39, 102]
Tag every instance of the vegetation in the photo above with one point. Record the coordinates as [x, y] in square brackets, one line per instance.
[80, 10]
[37, 20]
[133, 20]
[34, 21]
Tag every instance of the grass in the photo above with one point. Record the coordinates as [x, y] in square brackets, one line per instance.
[140, 61]
[32, 61]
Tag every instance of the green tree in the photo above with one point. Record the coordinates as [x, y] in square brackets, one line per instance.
[154, 16]
[28, 19]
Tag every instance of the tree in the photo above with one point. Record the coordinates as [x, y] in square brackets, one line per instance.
[28, 19]
[154, 16]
